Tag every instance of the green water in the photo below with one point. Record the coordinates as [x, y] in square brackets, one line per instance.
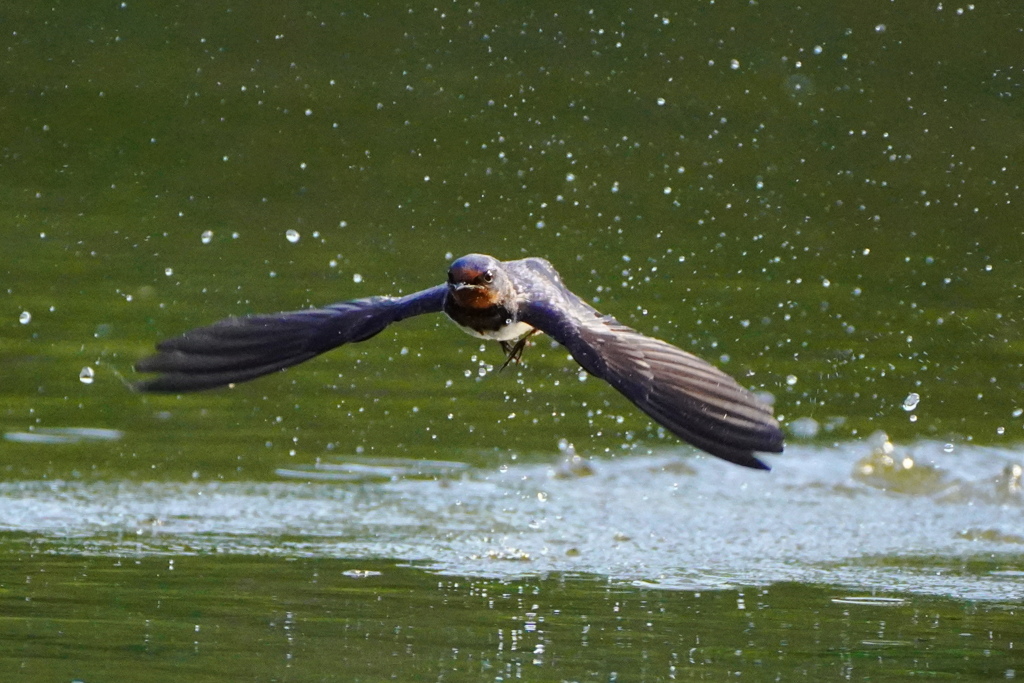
[265, 619]
[822, 201]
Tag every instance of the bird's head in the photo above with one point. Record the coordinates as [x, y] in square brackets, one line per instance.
[477, 281]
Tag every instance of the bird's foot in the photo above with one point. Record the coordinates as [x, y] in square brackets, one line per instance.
[514, 350]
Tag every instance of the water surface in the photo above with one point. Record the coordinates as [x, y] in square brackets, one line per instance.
[824, 201]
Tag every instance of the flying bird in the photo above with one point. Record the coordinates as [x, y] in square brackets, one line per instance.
[504, 301]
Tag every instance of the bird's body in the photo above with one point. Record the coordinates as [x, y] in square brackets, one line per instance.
[504, 301]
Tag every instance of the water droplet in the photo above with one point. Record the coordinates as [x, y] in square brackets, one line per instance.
[168, 271]
[790, 380]
[87, 375]
[805, 427]
[293, 236]
[207, 236]
[948, 448]
[799, 85]
[357, 278]
[25, 318]
[911, 401]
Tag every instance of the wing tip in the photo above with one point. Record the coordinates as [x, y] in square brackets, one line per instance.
[747, 459]
[758, 464]
[776, 444]
[742, 455]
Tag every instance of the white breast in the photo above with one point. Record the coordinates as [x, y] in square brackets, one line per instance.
[504, 333]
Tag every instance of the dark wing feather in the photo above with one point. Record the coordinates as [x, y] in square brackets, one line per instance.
[239, 349]
[688, 396]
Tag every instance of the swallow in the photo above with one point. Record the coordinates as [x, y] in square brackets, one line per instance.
[503, 301]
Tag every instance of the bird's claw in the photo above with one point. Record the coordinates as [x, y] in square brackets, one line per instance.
[514, 350]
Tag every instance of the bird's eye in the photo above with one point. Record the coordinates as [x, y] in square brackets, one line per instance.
[488, 276]
[451, 276]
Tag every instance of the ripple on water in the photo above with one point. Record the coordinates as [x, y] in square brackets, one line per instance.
[63, 435]
[666, 519]
[372, 469]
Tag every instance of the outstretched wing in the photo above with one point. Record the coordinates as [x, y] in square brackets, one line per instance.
[688, 396]
[239, 349]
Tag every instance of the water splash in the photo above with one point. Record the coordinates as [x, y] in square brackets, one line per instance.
[672, 521]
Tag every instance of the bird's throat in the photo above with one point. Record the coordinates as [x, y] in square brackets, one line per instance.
[476, 298]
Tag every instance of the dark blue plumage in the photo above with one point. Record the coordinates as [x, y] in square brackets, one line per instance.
[505, 301]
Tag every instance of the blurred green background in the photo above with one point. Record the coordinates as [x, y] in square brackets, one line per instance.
[823, 200]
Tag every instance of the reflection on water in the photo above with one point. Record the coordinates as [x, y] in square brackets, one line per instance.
[182, 617]
[822, 515]
[872, 600]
